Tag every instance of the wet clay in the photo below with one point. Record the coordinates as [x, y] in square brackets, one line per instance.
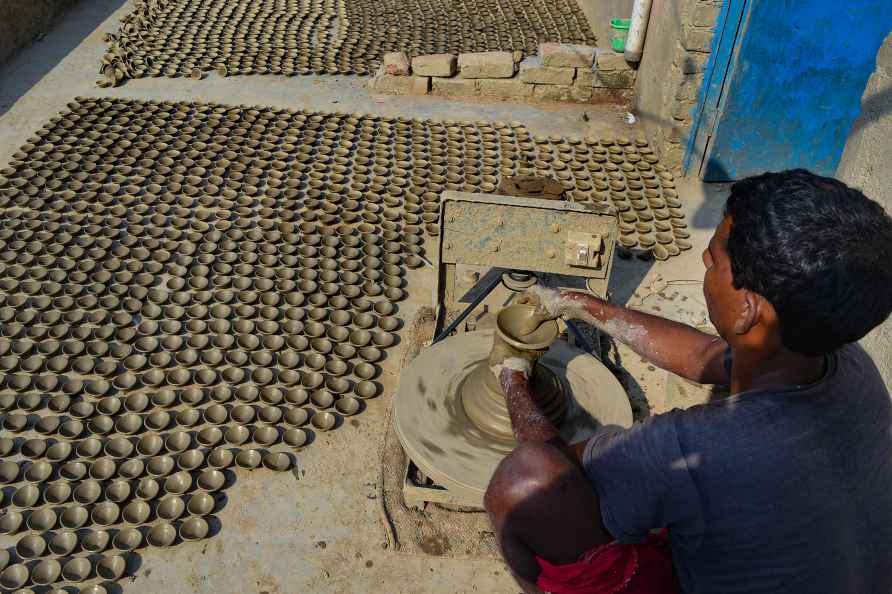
[481, 393]
[434, 428]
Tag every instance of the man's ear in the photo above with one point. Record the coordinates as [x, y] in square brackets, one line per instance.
[748, 315]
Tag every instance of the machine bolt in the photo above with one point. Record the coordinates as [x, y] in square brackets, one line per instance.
[555, 228]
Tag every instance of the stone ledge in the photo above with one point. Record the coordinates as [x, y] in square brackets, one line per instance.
[610, 60]
[505, 88]
[383, 82]
[565, 55]
[486, 65]
[396, 63]
[562, 93]
[605, 77]
[532, 71]
[435, 65]
[454, 87]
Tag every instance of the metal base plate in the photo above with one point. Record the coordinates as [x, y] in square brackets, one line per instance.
[436, 434]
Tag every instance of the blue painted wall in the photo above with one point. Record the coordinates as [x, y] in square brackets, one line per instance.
[794, 85]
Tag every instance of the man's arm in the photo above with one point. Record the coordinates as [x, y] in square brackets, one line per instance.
[528, 421]
[675, 347]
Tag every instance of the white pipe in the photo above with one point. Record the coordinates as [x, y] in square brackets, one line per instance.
[637, 30]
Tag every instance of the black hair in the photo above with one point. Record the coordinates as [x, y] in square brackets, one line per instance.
[819, 251]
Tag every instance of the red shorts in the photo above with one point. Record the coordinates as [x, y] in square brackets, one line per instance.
[644, 568]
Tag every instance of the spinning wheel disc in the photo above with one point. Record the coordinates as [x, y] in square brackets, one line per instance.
[440, 439]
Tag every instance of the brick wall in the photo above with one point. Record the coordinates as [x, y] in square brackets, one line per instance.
[560, 72]
[679, 41]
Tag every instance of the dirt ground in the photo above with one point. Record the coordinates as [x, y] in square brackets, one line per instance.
[321, 528]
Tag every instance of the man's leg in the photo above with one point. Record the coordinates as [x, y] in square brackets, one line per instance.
[541, 504]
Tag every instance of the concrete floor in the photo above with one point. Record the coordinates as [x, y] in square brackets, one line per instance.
[318, 529]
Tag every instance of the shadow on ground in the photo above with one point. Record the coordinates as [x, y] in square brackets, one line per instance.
[71, 28]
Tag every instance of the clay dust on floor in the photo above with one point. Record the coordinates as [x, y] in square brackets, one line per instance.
[436, 531]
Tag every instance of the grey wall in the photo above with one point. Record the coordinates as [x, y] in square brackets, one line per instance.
[866, 164]
[22, 20]
[599, 13]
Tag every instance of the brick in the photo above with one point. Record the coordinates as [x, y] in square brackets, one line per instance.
[565, 55]
[397, 64]
[505, 89]
[689, 87]
[421, 85]
[532, 71]
[585, 77]
[571, 93]
[435, 65]
[682, 110]
[614, 79]
[582, 89]
[696, 40]
[454, 87]
[389, 83]
[691, 62]
[603, 95]
[704, 14]
[562, 93]
[609, 60]
[580, 94]
[486, 65]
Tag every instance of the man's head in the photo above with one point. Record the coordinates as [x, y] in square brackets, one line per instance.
[799, 261]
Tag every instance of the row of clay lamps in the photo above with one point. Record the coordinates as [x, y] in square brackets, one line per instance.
[148, 425]
[397, 194]
[408, 194]
[144, 358]
[149, 344]
[188, 38]
[77, 570]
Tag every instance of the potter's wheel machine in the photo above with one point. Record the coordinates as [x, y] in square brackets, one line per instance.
[449, 413]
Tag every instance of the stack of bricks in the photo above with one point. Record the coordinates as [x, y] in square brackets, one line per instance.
[561, 72]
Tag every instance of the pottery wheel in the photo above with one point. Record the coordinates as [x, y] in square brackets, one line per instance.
[440, 439]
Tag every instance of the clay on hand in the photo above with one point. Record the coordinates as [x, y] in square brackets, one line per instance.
[521, 365]
[548, 304]
[505, 356]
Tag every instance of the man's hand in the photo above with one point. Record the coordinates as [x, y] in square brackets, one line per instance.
[547, 301]
[503, 356]
[509, 369]
[547, 304]
[675, 347]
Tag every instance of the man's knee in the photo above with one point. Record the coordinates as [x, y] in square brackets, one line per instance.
[526, 476]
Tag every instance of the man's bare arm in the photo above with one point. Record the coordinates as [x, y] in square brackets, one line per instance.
[676, 347]
[530, 424]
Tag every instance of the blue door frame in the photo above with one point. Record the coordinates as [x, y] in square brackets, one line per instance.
[783, 85]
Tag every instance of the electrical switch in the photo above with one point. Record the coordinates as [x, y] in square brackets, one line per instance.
[583, 250]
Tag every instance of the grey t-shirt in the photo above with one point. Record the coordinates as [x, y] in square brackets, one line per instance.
[786, 491]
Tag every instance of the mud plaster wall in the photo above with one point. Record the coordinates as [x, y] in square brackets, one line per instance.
[599, 13]
[23, 20]
[865, 164]
[678, 45]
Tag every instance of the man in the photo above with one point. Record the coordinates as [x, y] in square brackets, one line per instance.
[783, 487]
